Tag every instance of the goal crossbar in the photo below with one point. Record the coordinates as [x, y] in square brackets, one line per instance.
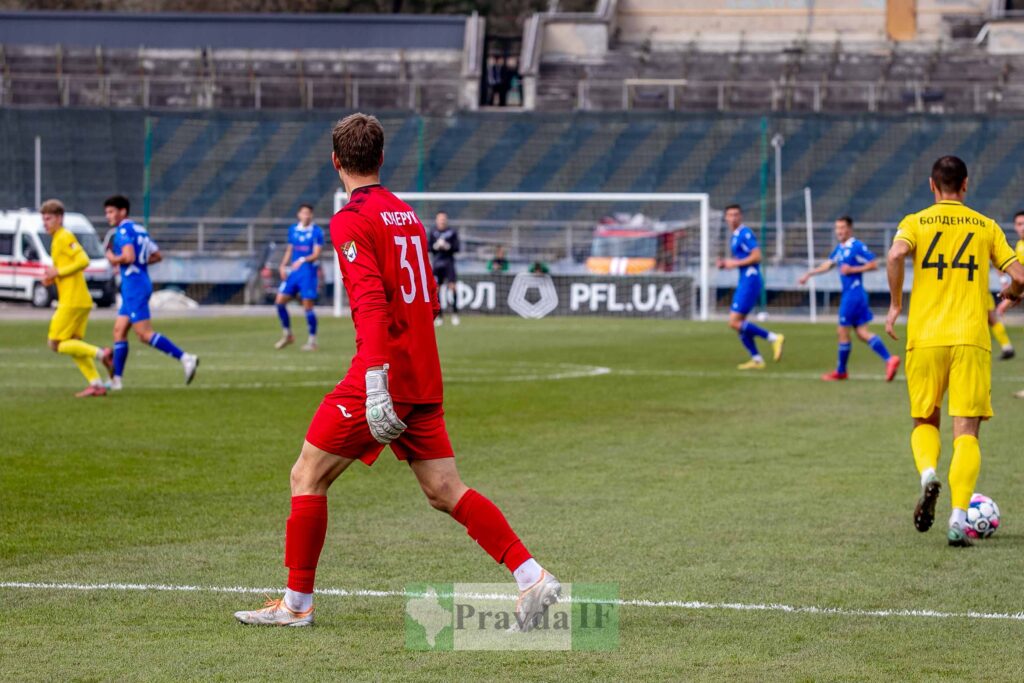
[701, 198]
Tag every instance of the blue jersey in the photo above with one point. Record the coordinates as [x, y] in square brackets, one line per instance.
[303, 240]
[742, 245]
[136, 272]
[852, 252]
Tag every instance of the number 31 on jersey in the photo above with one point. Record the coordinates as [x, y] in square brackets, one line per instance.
[402, 242]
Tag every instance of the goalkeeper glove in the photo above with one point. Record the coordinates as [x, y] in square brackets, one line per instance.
[380, 411]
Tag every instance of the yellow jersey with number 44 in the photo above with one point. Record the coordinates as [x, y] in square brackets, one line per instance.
[952, 246]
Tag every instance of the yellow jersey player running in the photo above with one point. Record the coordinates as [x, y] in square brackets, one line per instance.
[948, 345]
[67, 327]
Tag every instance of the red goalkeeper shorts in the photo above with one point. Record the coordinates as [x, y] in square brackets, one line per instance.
[339, 427]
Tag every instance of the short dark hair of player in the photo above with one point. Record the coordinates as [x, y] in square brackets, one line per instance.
[306, 206]
[118, 201]
[734, 206]
[52, 207]
[949, 173]
[847, 220]
[359, 144]
[1018, 215]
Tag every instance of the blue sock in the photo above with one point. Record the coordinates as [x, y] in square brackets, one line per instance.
[311, 322]
[162, 343]
[878, 346]
[748, 343]
[282, 313]
[844, 356]
[751, 328]
[120, 357]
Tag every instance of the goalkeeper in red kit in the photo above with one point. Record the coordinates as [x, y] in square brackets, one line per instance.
[392, 394]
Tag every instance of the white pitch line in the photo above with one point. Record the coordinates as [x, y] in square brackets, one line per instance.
[677, 604]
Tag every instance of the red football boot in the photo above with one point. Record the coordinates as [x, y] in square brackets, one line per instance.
[891, 366]
[834, 376]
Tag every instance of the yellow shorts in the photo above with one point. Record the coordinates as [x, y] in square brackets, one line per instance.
[68, 323]
[966, 371]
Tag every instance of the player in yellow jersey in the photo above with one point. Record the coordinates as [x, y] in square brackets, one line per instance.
[67, 327]
[948, 344]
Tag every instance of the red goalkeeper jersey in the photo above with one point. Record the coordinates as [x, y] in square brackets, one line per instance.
[384, 256]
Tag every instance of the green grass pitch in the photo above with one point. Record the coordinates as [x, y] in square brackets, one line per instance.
[672, 475]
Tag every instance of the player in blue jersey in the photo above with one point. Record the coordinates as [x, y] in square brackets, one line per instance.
[746, 258]
[853, 259]
[133, 251]
[300, 276]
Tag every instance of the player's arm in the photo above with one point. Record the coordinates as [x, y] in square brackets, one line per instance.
[454, 248]
[282, 270]
[126, 257]
[862, 268]
[365, 284]
[155, 255]
[751, 259]
[823, 267]
[314, 255]
[896, 265]
[1005, 259]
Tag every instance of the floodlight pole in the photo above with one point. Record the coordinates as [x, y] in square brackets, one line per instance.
[809, 214]
[777, 142]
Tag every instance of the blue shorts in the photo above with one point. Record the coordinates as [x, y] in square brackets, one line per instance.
[747, 295]
[854, 310]
[135, 301]
[302, 282]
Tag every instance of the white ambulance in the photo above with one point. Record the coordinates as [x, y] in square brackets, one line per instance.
[25, 251]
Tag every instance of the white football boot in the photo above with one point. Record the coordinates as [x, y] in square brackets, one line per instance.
[275, 613]
[535, 600]
[189, 363]
[286, 339]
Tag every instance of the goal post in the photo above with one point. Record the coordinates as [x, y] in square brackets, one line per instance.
[608, 199]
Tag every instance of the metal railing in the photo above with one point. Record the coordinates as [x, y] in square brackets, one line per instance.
[259, 92]
[779, 95]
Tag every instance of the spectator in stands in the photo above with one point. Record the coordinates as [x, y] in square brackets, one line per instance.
[494, 81]
[512, 84]
[498, 264]
[539, 268]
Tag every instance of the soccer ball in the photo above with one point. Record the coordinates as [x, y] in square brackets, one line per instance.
[982, 516]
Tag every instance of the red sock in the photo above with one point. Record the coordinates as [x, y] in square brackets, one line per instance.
[487, 526]
[303, 540]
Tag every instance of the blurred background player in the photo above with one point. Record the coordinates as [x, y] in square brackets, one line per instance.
[302, 259]
[392, 393]
[854, 259]
[746, 258]
[74, 303]
[131, 249]
[995, 318]
[444, 244]
[948, 344]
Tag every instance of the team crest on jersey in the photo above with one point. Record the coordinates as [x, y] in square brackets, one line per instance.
[349, 250]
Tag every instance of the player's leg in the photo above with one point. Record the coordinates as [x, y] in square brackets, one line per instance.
[843, 356]
[144, 331]
[67, 327]
[485, 524]
[305, 530]
[999, 332]
[121, 326]
[927, 378]
[970, 402]
[285, 293]
[310, 292]
[453, 297]
[744, 301]
[875, 343]
[736, 321]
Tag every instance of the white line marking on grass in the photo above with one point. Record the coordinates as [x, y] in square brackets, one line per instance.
[677, 604]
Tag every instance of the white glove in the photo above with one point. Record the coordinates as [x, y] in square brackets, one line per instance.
[441, 244]
[380, 411]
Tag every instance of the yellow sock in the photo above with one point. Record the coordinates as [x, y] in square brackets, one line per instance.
[84, 356]
[77, 347]
[963, 470]
[926, 445]
[999, 332]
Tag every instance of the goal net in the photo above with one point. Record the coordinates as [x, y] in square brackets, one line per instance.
[536, 254]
